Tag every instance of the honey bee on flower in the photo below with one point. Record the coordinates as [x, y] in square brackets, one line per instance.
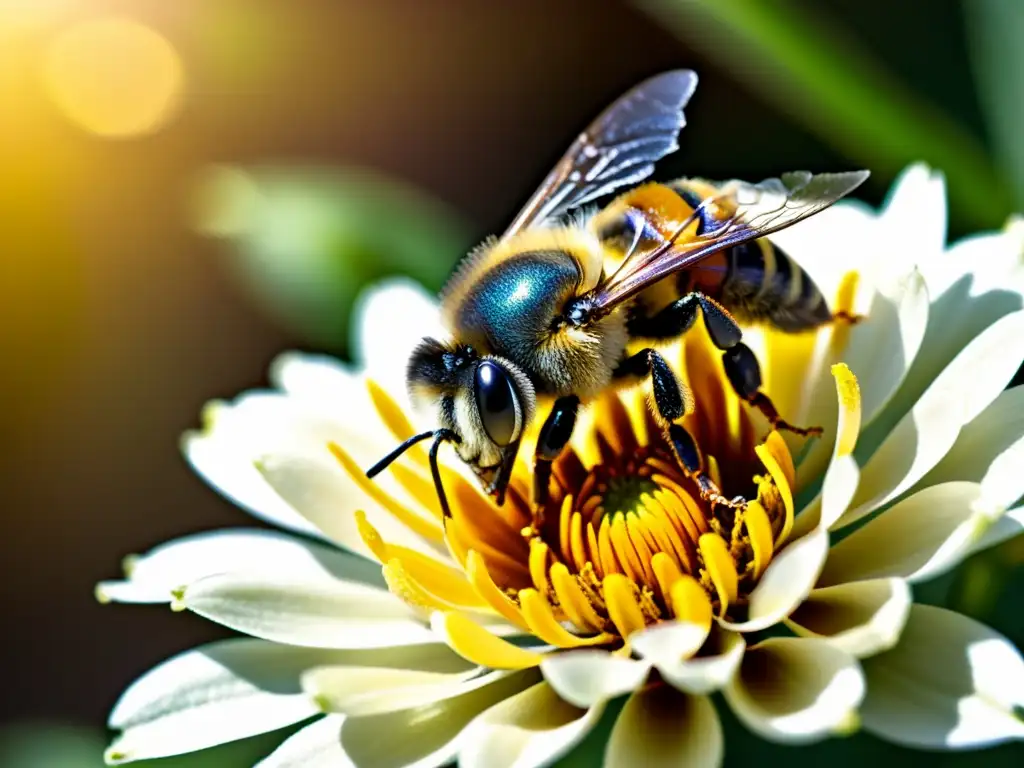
[498, 634]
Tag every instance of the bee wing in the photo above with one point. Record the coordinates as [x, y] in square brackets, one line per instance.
[759, 210]
[619, 147]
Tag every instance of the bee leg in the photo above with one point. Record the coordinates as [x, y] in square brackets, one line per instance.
[847, 318]
[554, 436]
[672, 401]
[679, 316]
[744, 373]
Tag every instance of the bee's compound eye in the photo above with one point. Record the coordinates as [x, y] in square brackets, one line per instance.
[496, 400]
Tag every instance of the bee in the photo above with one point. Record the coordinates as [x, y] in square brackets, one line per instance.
[546, 313]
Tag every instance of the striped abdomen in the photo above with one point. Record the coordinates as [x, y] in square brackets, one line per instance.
[755, 281]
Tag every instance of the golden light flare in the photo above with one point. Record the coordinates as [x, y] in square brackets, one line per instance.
[114, 77]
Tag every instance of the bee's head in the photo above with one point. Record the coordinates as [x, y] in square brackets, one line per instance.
[484, 402]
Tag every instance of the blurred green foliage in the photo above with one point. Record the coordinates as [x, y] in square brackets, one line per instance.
[306, 240]
[792, 53]
[53, 745]
[996, 36]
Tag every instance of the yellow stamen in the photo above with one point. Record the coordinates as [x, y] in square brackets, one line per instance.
[848, 391]
[721, 569]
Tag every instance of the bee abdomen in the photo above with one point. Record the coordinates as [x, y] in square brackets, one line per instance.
[763, 284]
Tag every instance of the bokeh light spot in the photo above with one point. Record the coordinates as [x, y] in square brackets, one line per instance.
[115, 77]
[225, 201]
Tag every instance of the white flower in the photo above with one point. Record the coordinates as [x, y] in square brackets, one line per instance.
[365, 611]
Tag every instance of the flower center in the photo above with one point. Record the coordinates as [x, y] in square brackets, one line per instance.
[625, 540]
[629, 541]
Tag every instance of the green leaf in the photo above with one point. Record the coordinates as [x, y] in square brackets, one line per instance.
[304, 241]
[996, 37]
[792, 55]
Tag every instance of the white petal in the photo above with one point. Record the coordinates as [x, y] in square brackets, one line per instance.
[230, 471]
[660, 726]
[795, 690]
[882, 348]
[721, 658]
[588, 677]
[316, 746]
[533, 728]
[972, 284]
[669, 640]
[211, 695]
[918, 194]
[325, 495]
[961, 392]
[1008, 526]
[920, 537]
[374, 690]
[152, 577]
[837, 491]
[320, 613]
[950, 683]
[788, 579]
[429, 736]
[323, 383]
[390, 319]
[862, 618]
[989, 450]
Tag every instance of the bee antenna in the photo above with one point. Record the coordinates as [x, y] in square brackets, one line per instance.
[439, 437]
[384, 463]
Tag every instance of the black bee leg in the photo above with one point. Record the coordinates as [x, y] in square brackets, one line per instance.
[679, 316]
[744, 373]
[671, 399]
[554, 436]
[847, 318]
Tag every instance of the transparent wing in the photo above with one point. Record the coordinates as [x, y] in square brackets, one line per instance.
[755, 210]
[619, 147]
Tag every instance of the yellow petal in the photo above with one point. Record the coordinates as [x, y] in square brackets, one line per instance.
[481, 580]
[474, 643]
[721, 568]
[690, 602]
[759, 529]
[538, 614]
[778, 475]
[395, 420]
[623, 608]
[538, 563]
[428, 529]
[575, 604]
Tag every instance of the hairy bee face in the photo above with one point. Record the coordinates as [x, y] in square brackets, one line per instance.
[486, 401]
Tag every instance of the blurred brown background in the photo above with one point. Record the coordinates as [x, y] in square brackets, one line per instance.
[118, 320]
